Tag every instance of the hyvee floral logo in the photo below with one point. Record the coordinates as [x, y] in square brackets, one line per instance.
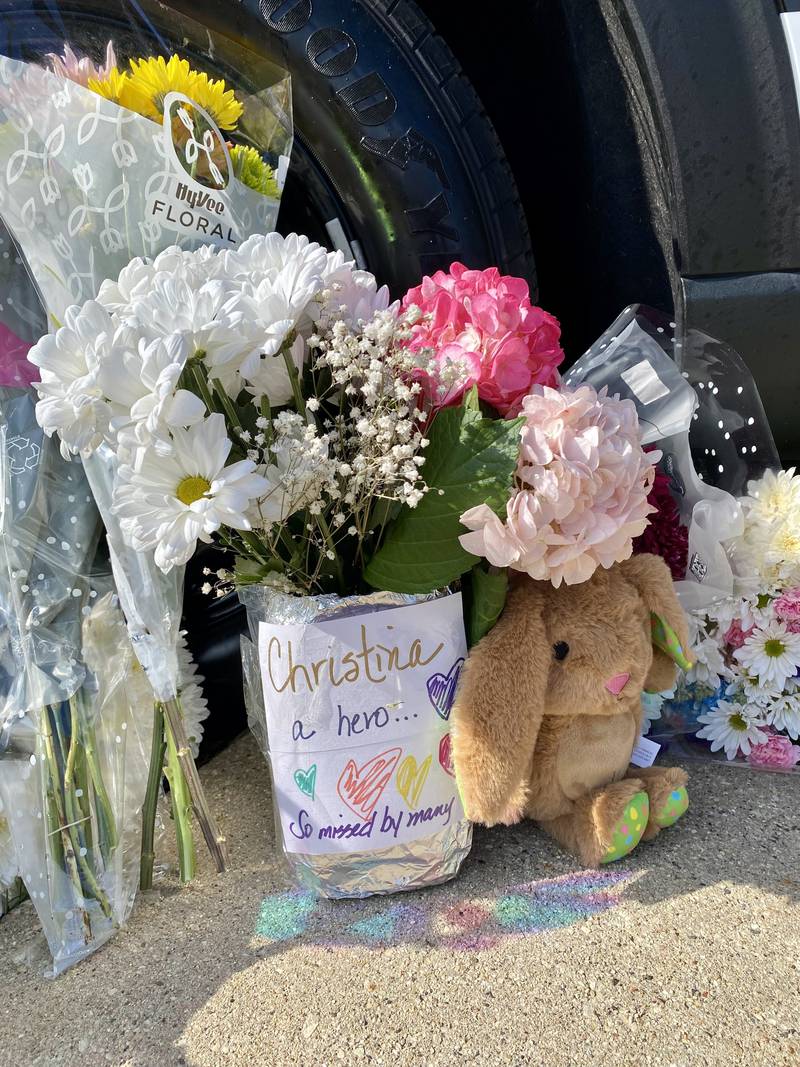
[194, 200]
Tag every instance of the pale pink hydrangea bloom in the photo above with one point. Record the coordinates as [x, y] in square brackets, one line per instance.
[776, 752]
[80, 68]
[482, 325]
[581, 488]
[787, 609]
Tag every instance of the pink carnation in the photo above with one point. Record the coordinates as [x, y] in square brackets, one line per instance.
[482, 327]
[735, 636]
[776, 752]
[580, 493]
[787, 608]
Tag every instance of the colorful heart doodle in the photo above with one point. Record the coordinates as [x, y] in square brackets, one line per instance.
[442, 689]
[446, 756]
[411, 778]
[306, 780]
[361, 787]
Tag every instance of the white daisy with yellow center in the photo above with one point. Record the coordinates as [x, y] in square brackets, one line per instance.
[736, 728]
[168, 503]
[771, 653]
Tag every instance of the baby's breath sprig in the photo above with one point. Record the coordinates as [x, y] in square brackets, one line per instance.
[345, 461]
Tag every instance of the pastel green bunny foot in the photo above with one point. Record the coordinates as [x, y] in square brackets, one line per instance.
[627, 834]
[676, 805]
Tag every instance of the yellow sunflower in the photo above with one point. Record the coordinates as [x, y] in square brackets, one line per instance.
[151, 79]
[113, 87]
[219, 102]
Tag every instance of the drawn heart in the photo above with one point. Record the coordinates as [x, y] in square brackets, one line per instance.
[306, 780]
[442, 689]
[446, 756]
[361, 787]
[411, 778]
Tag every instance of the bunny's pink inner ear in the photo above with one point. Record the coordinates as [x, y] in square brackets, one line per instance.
[665, 638]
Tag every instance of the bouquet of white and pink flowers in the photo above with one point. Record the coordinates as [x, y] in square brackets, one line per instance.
[742, 696]
[271, 399]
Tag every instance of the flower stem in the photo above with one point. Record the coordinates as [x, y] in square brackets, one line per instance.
[107, 827]
[155, 775]
[294, 378]
[181, 809]
[57, 814]
[215, 839]
[74, 814]
[202, 387]
[337, 563]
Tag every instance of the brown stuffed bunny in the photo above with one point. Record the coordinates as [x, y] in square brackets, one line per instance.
[548, 710]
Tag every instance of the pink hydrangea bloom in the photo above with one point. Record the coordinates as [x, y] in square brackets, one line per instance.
[581, 489]
[735, 636]
[482, 325]
[80, 68]
[787, 608]
[776, 752]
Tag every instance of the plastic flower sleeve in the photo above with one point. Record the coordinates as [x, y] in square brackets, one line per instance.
[697, 403]
[163, 136]
[88, 184]
[74, 742]
[152, 603]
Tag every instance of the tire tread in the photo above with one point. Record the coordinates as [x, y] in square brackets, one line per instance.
[504, 215]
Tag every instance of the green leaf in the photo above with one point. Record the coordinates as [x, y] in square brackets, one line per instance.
[485, 600]
[469, 461]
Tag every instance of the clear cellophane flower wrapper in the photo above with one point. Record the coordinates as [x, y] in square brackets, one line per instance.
[91, 182]
[415, 776]
[74, 734]
[698, 403]
[88, 184]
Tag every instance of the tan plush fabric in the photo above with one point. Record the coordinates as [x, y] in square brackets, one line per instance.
[543, 738]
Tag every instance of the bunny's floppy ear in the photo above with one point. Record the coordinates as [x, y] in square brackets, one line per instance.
[670, 633]
[498, 709]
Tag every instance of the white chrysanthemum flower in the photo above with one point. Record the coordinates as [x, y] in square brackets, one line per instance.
[134, 281]
[204, 315]
[272, 309]
[168, 503]
[753, 691]
[266, 255]
[776, 495]
[160, 405]
[354, 294]
[72, 402]
[194, 705]
[708, 663]
[136, 278]
[784, 713]
[732, 727]
[769, 548]
[771, 653]
[784, 550]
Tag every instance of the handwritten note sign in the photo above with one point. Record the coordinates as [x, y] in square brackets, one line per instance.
[358, 720]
